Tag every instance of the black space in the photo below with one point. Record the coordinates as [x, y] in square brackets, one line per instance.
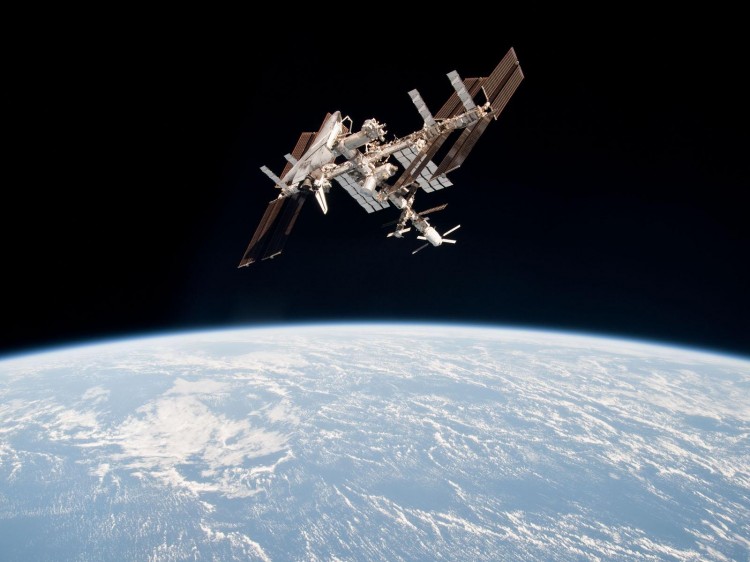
[610, 197]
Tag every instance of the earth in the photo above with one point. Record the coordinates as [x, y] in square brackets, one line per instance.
[374, 442]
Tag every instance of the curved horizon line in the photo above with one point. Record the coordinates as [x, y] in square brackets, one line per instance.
[477, 326]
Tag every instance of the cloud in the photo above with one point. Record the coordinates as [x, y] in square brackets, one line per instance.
[96, 394]
[203, 386]
[178, 433]
[283, 412]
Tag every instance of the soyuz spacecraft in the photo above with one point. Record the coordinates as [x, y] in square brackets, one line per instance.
[360, 161]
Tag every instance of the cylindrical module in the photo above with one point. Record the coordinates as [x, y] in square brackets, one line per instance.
[432, 236]
[370, 131]
[378, 174]
[397, 200]
[370, 183]
[354, 141]
[384, 172]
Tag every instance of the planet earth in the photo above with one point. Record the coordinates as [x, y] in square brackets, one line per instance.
[374, 442]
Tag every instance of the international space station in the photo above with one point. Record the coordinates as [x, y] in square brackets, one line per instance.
[360, 161]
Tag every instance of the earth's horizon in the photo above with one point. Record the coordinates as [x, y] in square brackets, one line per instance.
[56, 347]
[377, 441]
